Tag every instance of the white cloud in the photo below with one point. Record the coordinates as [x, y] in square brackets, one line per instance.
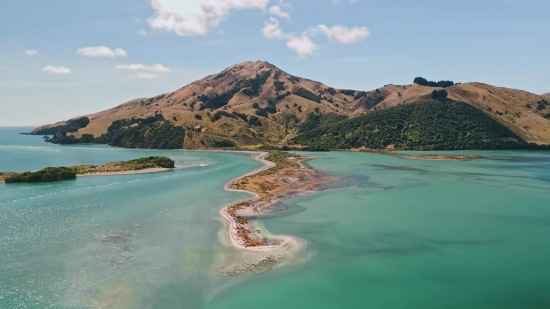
[30, 52]
[101, 51]
[196, 17]
[56, 69]
[144, 76]
[142, 32]
[158, 68]
[303, 46]
[341, 34]
[272, 30]
[277, 11]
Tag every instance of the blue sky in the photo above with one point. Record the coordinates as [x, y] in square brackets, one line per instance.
[65, 58]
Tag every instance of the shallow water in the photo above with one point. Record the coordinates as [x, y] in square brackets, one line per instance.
[392, 233]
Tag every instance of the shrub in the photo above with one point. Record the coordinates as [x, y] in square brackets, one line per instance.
[198, 117]
[304, 93]
[279, 86]
[149, 162]
[242, 116]
[270, 109]
[542, 104]
[224, 143]
[439, 94]
[331, 90]
[359, 95]
[254, 121]
[347, 92]
[424, 82]
[49, 174]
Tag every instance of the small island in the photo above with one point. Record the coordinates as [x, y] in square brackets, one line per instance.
[52, 174]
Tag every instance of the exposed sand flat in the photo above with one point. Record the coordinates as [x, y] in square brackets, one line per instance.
[419, 157]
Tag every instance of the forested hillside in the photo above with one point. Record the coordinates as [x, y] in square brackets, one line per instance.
[430, 125]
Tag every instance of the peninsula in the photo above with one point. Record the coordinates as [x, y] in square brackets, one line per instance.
[52, 174]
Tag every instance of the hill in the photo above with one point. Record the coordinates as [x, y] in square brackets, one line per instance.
[255, 104]
[546, 95]
[430, 125]
[518, 110]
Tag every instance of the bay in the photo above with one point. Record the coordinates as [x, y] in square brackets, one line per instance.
[390, 233]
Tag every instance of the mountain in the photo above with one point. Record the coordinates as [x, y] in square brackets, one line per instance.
[546, 95]
[256, 104]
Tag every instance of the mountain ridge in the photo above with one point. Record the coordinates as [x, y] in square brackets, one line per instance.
[255, 103]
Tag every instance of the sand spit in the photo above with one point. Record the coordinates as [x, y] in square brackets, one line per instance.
[144, 171]
[257, 250]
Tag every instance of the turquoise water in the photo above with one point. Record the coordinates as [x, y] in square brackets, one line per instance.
[391, 233]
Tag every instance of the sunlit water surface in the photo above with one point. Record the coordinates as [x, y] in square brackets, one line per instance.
[392, 233]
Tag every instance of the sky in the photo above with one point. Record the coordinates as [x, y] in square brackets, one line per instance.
[65, 58]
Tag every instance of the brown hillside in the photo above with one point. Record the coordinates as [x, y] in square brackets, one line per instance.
[546, 95]
[182, 105]
[249, 86]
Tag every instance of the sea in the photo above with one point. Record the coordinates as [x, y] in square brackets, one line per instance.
[387, 233]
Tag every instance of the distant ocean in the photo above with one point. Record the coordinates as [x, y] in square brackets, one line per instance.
[391, 233]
